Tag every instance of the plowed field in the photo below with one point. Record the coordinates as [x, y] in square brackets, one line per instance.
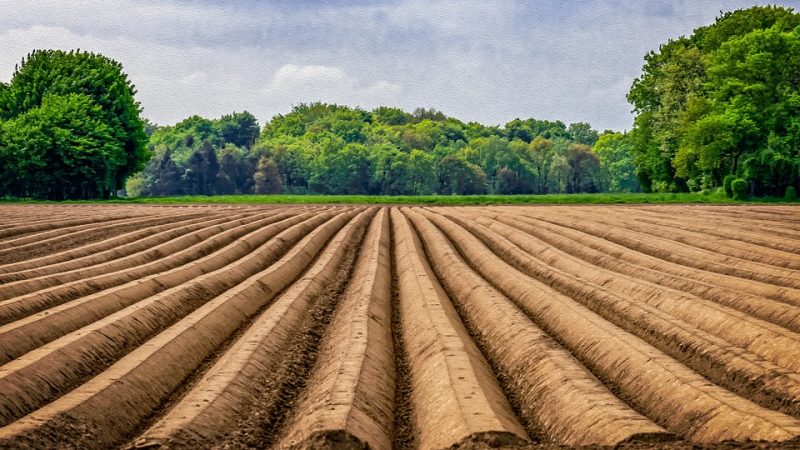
[399, 327]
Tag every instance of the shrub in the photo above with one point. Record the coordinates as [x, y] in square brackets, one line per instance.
[739, 189]
[726, 183]
[791, 194]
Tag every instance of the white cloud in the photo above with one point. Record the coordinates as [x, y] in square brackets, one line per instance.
[302, 84]
[315, 80]
[199, 79]
[483, 61]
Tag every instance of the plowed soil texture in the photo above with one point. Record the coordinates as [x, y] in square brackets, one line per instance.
[399, 327]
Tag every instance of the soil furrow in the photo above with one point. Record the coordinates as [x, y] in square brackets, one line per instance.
[455, 398]
[54, 236]
[555, 393]
[222, 397]
[734, 223]
[728, 364]
[621, 254]
[106, 250]
[175, 249]
[774, 266]
[352, 327]
[26, 230]
[210, 247]
[726, 229]
[279, 387]
[115, 401]
[350, 394]
[575, 277]
[607, 256]
[776, 251]
[60, 243]
[674, 396]
[49, 371]
[404, 433]
[676, 252]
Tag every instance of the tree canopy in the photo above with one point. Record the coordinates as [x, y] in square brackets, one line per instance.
[336, 149]
[722, 101]
[71, 127]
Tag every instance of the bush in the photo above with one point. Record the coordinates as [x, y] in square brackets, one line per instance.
[135, 186]
[739, 189]
[791, 194]
[726, 183]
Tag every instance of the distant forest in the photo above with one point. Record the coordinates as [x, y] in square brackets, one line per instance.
[333, 149]
[717, 110]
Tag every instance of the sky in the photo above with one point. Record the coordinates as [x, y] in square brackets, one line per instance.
[484, 61]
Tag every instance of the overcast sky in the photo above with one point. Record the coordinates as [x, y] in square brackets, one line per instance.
[476, 60]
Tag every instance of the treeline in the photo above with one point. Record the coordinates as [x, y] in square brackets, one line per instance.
[334, 149]
[199, 157]
[723, 103]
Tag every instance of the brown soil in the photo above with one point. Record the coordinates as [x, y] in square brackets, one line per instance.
[280, 388]
[635, 327]
[404, 433]
[203, 378]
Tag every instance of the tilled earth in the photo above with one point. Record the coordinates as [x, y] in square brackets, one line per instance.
[339, 327]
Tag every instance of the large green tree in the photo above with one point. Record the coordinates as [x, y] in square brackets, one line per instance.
[59, 150]
[616, 160]
[721, 101]
[239, 129]
[93, 91]
[749, 123]
[584, 170]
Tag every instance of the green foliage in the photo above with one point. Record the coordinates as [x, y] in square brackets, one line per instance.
[724, 100]
[240, 129]
[100, 136]
[334, 149]
[187, 136]
[318, 118]
[235, 167]
[431, 114]
[726, 184]
[458, 176]
[542, 154]
[791, 194]
[342, 169]
[136, 186]
[501, 163]
[739, 188]
[582, 133]
[526, 130]
[422, 173]
[61, 149]
[391, 116]
[202, 169]
[584, 168]
[167, 176]
[616, 159]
